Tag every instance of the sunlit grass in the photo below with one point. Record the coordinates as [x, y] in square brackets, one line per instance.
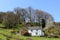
[1, 25]
[14, 36]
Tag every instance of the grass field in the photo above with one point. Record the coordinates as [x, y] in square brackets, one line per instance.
[14, 36]
[39, 38]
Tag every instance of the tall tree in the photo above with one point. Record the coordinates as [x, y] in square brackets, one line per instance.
[39, 15]
[2, 14]
[30, 12]
[10, 20]
[21, 13]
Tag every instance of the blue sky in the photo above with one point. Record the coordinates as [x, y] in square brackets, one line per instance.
[50, 6]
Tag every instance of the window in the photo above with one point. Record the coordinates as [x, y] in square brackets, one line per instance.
[31, 30]
[36, 29]
[36, 33]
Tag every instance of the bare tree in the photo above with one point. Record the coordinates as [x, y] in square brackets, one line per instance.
[30, 13]
[21, 13]
[39, 15]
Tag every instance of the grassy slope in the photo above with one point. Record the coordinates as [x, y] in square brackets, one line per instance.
[5, 31]
[39, 38]
[8, 33]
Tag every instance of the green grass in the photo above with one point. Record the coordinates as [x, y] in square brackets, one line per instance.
[4, 31]
[39, 38]
[1, 25]
[14, 36]
[2, 37]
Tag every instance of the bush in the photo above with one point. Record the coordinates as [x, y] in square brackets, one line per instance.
[34, 24]
[53, 32]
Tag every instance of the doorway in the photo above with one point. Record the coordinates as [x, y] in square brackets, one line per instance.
[43, 23]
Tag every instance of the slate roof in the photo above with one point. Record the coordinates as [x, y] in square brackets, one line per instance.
[35, 27]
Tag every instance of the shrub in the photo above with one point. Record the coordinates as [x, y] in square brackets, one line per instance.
[53, 32]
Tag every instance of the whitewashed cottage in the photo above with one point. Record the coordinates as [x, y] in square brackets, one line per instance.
[35, 31]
